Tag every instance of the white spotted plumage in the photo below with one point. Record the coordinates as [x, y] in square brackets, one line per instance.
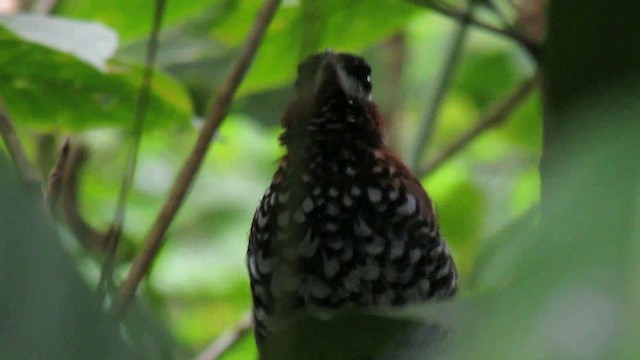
[344, 223]
[349, 263]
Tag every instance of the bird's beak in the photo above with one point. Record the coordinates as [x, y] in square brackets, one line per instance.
[333, 74]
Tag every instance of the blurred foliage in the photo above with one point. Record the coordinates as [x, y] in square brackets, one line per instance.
[47, 311]
[79, 74]
[86, 92]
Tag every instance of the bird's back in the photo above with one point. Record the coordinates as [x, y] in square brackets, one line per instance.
[355, 229]
[343, 223]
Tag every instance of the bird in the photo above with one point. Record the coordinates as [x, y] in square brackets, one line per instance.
[344, 223]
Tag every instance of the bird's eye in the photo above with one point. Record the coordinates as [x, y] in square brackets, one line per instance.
[366, 81]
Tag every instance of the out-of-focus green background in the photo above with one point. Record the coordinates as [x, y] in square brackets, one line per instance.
[199, 285]
[77, 72]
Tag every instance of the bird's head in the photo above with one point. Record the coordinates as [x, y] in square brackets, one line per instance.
[330, 75]
[333, 95]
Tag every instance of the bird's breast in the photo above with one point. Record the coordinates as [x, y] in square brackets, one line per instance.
[344, 232]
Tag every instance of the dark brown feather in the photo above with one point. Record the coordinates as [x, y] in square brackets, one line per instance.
[344, 222]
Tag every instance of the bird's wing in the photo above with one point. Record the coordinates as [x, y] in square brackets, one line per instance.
[436, 264]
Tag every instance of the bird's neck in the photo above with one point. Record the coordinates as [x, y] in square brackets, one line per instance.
[333, 130]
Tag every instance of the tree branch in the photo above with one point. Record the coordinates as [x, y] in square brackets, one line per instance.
[226, 341]
[46, 152]
[532, 46]
[56, 176]
[90, 238]
[20, 160]
[214, 118]
[493, 117]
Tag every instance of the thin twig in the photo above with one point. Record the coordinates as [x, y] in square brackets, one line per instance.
[63, 181]
[115, 230]
[516, 28]
[499, 13]
[493, 117]
[214, 118]
[442, 83]
[20, 160]
[46, 152]
[89, 237]
[56, 176]
[532, 46]
[226, 341]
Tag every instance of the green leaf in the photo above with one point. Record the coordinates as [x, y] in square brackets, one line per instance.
[90, 42]
[131, 18]
[55, 90]
[497, 258]
[47, 310]
[573, 289]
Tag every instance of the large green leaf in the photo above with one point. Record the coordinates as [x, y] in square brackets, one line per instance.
[89, 42]
[48, 88]
[131, 18]
[573, 281]
[47, 310]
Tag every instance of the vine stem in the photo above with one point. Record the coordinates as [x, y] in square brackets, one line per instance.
[154, 239]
